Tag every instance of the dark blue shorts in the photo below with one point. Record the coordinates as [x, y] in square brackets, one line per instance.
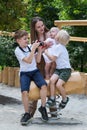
[27, 77]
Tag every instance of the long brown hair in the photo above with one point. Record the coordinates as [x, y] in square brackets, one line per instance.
[33, 33]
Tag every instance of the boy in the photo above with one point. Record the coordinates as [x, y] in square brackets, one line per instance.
[63, 68]
[29, 72]
[49, 65]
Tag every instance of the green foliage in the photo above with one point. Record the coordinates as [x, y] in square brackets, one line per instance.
[78, 56]
[75, 9]
[7, 56]
[17, 14]
[44, 9]
[10, 13]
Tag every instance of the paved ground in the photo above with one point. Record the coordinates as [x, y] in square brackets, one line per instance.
[74, 116]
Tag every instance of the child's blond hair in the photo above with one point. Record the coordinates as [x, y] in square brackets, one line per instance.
[63, 37]
[55, 28]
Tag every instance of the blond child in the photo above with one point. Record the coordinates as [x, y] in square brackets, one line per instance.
[49, 64]
[63, 68]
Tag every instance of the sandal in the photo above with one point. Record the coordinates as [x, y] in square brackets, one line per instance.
[50, 102]
[63, 104]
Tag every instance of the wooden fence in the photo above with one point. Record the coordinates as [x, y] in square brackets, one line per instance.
[10, 76]
[62, 23]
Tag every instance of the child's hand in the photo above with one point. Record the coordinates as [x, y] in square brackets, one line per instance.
[46, 51]
[35, 45]
[47, 44]
[40, 49]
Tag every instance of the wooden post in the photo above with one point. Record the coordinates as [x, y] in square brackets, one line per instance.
[11, 76]
[0, 76]
[5, 75]
[86, 84]
[17, 78]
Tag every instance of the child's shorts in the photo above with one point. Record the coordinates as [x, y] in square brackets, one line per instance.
[63, 74]
[27, 77]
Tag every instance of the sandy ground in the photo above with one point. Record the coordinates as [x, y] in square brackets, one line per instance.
[74, 116]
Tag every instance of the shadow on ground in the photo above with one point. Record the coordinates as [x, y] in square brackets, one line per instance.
[8, 100]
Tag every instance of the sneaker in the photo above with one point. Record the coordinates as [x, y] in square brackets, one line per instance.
[51, 103]
[43, 112]
[63, 104]
[25, 119]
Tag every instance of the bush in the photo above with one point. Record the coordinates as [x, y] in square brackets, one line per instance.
[7, 56]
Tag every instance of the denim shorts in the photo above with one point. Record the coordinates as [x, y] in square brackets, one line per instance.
[27, 77]
[63, 74]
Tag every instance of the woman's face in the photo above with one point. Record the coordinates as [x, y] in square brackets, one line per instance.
[39, 27]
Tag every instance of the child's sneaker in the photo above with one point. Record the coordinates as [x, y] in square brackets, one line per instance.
[63, 104]
[51, 103]
[43, 112]
[25, 119]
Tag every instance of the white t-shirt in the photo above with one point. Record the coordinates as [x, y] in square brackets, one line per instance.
[23, 65]
[46, 59]
[51, 40]
[62, 55]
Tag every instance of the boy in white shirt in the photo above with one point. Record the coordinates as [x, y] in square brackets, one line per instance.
[63, 68]
[49, 64]
[29, 72]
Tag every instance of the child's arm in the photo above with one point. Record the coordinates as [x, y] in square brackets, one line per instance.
[39, 54]
[29, 58]
[51, 57]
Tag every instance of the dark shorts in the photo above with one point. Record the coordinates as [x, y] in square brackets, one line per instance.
[27, 77]
[63, 74]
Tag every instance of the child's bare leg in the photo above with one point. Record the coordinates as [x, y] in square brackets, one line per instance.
[43, 95]
[52, 68]
[42, 109]
[61, 89]
[53, 80]
[25, 100]
[47, 70]
[65, 99]
[51, 99]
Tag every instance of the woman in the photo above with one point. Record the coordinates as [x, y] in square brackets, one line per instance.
[38, 32]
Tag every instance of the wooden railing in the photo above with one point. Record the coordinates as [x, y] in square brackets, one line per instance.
[62, 23]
